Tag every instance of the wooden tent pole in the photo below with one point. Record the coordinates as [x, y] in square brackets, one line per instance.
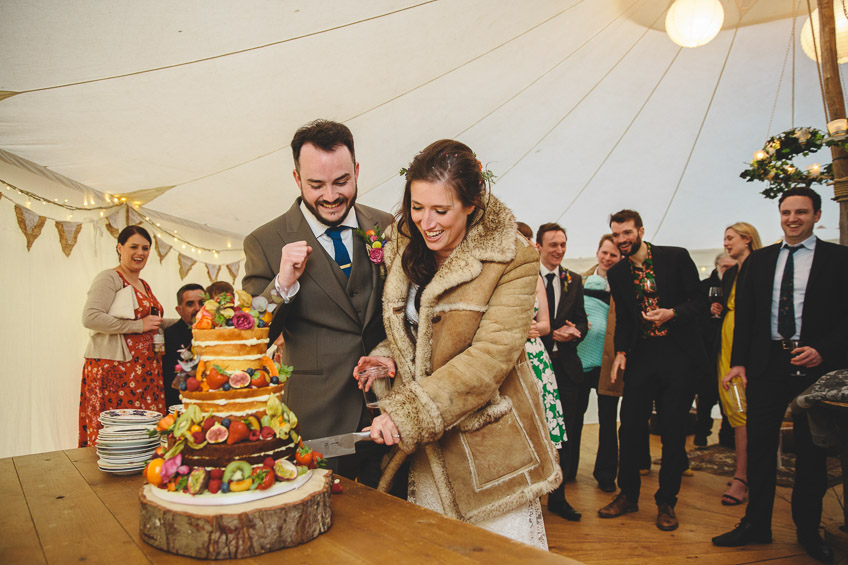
[836, 109]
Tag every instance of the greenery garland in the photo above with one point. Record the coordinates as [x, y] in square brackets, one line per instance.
[773, 164]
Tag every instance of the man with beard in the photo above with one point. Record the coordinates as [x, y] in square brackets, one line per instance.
[328, 293]
[658, 300]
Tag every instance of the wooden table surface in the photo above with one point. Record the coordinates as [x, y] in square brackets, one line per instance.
[58, 507]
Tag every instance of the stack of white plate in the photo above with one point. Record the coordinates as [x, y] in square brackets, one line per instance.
[123, 444]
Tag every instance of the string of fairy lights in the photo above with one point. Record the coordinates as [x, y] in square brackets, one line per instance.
[114, 202]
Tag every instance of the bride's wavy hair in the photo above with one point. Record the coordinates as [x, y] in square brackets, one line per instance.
[454, 164]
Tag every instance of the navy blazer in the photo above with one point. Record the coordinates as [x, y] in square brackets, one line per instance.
[678, 287]
[824, 320]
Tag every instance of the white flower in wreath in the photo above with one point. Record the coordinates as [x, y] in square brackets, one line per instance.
[771, 148]
[802, 134]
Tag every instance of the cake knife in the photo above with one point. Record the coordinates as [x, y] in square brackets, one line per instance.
[336, 446]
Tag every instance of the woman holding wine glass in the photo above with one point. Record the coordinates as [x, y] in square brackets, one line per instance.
[739, 240]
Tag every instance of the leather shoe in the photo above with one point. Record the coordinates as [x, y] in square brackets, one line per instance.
[666, 519]
[619, 505]
[816, 548]
[743, 534]
[569, 513]
[608, 486]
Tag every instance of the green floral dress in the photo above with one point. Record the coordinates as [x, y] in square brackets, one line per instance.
[544, 371]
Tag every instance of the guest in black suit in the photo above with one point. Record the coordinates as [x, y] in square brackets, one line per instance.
[658, 301]
[791, 328]
[569, 325]
[178, 336]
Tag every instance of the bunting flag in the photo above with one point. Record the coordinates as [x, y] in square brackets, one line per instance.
[68, 234]
[186, 263]
[162, 248]
[134, 218]
[233, 268]
[116, 221]
[30, 223]
[213, 271]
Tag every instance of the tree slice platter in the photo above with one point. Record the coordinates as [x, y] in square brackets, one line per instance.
[239, 530]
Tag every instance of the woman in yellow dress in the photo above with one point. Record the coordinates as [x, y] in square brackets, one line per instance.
[739, 240]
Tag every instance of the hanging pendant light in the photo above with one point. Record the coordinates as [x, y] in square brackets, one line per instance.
[811, 26]
[692, 23]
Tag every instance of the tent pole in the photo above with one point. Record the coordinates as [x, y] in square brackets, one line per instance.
[835, 109]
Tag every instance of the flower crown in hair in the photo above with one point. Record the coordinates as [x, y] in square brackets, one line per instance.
[488, 175]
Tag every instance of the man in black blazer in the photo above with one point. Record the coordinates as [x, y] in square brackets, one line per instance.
[791, 328]
[568, 326]
[328, 293]
[658, 301]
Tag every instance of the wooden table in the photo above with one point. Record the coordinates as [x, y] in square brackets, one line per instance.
[58, 507]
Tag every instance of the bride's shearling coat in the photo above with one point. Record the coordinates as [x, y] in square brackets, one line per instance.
[464, 394]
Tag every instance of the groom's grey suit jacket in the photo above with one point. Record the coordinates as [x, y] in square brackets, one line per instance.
[329, 323]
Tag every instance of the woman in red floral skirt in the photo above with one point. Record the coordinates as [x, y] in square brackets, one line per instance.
[121, 370]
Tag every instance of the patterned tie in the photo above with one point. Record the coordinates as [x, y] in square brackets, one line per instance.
[786, 301]
[339, 250]
[549, 290]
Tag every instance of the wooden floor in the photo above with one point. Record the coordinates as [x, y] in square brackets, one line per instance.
[634, 538]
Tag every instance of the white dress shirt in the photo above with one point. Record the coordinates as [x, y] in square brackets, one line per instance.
[802, 261]
[319, 229]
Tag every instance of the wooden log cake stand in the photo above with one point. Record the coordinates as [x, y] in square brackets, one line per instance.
[238, 530]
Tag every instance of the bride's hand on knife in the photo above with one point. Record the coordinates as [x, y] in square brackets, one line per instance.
[383, 430]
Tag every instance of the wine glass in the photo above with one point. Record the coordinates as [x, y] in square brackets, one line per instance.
[372, 403]
[799, 370]
[715, 297]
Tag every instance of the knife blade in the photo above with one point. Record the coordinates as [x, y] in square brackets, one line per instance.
[336, 446]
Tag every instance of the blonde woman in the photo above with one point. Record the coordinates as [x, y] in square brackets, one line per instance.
[739, 240]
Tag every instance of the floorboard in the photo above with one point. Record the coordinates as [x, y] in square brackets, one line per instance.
[634, 538]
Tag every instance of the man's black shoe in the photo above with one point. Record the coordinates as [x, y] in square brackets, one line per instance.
[607, 486]
[743, 534]
[569, 513]
[816, 548]
[700, 440]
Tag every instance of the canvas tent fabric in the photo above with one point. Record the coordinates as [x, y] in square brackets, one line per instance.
[580, 107]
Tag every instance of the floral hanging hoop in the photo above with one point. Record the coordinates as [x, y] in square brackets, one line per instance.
[773, 163]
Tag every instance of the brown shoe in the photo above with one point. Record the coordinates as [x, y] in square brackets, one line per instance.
[666, 519]
[619, 505]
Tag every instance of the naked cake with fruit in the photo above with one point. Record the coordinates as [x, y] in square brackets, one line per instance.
[234, 433]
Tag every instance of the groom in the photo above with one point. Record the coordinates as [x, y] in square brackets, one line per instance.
[311, 263]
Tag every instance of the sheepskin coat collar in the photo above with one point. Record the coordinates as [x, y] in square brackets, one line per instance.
[464, 395]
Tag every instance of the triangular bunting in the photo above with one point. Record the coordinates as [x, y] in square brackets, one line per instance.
[133, 217]
[212, 271]
[68, 234]
[233, 268]
[186, 263]
[116, 221]
[162, 248]
[30, 224]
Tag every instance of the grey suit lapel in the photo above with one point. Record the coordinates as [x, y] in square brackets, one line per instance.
[320, 267]
[366, 222]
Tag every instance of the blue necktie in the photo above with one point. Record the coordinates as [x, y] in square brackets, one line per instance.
[339, 250]
[786, 300]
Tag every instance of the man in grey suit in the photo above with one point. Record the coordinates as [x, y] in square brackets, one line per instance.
[311, 263]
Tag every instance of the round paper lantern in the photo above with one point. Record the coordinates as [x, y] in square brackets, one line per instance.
[810, 48]
[692, 23]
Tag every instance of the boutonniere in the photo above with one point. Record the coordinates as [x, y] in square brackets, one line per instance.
[565, 278]
[375, 242]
